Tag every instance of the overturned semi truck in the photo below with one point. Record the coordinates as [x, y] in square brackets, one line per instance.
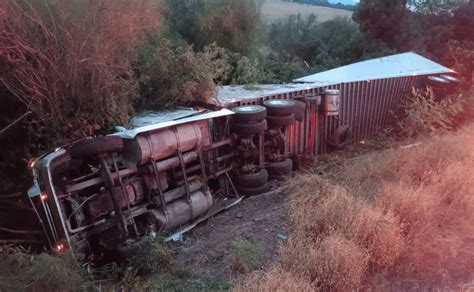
[167, 172]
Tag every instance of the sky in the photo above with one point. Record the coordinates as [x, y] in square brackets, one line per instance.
[350, 2]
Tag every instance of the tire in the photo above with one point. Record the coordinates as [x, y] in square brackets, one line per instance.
[437, 82]
[138, 248]
[279, 107]
[253, 191]
[300, 109]
[280, 168]
[341, 137]
[94, 146]
[451, 79]
[278, 122]
[314, 99]
[249, 129]
[249, 113]
[281, 177]
[252, 180]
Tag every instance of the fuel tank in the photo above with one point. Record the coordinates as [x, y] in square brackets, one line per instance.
[178, 212]
[162, 143]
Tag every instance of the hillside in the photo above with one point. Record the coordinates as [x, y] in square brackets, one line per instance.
[273, 10]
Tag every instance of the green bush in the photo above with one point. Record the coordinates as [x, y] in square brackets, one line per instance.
[322, 46]
[173, 74]
[423, 114]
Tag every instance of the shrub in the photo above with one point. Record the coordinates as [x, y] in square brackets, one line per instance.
[425, 114]
[69, 62]
[174, 74]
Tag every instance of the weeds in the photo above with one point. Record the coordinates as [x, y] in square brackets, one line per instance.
[277, 279]
[425, 114]
[157, 271]
[245, 255]
[21, 271]
[397, 216]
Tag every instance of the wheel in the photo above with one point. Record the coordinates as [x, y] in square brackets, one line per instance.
[300, 108]
[280, 168]
[249, 129]
[249, 113]
[279, 107]
[278, 122]
[341, 137]
[437, 82]
[94, 146]
[136, 248]
[252, 180]
[451, 79]
[281, 177]
[253, 191]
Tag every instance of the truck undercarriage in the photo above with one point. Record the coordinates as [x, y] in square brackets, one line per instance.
[106, 194]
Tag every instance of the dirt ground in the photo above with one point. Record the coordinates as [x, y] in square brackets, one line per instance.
[274, 10]
[206, 250]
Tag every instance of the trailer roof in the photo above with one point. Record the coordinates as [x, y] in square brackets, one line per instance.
[158, 120]
[400, 65]
[232, 93]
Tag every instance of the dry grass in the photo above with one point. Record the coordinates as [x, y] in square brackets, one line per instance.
[274, 10]
[397, 219]
[276, 280]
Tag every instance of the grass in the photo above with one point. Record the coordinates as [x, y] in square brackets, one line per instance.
[245, 255]
[394, 219]
[21, 271]
[156, 270]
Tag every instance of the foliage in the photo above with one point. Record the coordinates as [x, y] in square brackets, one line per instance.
[277, 71]
[384, 20]
[176, 75]
[245, 255]
[321, 46]
[326, 3]
[157, 271]
[234, 25]
[68, 65]
[73, 70]
[440, 29]
[22, 271]
[423, 113]
[259, 70]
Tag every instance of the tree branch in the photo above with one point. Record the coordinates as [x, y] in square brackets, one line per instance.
[14, 122]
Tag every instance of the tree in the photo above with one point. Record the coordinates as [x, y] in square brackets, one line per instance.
[321, 46]
[386, 21]
[231, 24]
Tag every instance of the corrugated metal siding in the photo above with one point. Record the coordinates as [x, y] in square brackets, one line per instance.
[365, 106]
